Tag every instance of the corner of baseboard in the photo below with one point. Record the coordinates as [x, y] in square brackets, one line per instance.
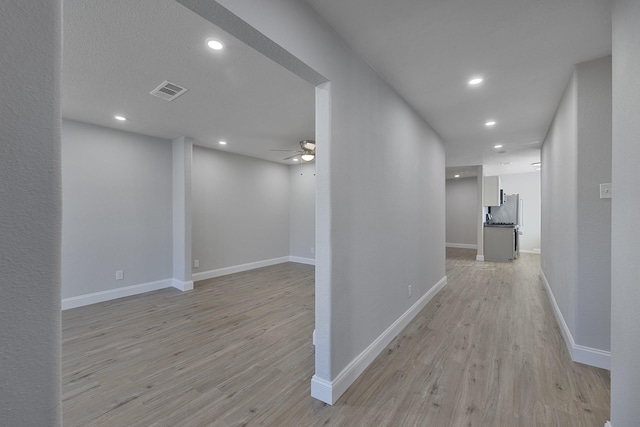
[301, 260]
[479, 257]
[322, 390]
[581, 354]
[608, 424]
[183, 286]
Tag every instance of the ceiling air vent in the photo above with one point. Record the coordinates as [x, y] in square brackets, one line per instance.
[168, 91]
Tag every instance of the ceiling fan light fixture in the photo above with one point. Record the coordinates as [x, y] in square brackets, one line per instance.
[308, 144]
[307, 157]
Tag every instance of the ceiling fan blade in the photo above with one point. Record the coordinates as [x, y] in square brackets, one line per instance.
[291, 157]
[287, 150]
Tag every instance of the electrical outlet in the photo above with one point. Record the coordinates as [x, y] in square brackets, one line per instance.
[196, 263]
[605, 191]
[409, 291]
[313, 250]
[119, 274]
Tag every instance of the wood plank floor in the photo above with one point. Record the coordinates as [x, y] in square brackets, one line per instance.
[486, 351]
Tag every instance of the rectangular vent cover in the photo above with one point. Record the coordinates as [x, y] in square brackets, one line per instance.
[168, 91]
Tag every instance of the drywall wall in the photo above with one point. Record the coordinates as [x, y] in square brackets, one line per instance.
[380, 189]
[240, 210]
[576, 159]
[594, 213]
[461, 212]
[302, 234]
[625, 233]
[182, 162]
[559, 234]
[116, 209]
[30, 213]
[528, 186]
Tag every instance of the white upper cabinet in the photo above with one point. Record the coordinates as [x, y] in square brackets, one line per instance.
[491, 191]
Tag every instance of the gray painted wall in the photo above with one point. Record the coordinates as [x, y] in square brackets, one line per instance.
[30, 213]
[381, 211]
[116, 208]
[559, 185]
[576, 222]
[240, 209]
[303, 210]
[461, 211]
[528, 186]
[625, 233]
[594, 213]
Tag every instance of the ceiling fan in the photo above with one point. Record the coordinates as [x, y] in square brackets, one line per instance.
[307, 151]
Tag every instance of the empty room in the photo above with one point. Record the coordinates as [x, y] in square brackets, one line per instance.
[247, 213]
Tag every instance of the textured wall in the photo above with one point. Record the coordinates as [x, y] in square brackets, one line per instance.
[240, 209]
[625, 233]
[462, 211]
[116, 208]
[30, 213]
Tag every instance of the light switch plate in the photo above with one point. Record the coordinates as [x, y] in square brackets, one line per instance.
[605, 191]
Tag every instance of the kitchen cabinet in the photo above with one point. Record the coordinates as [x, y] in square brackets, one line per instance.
[499, 244]
[491, 191]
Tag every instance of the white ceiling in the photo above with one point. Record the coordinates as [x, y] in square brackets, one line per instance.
[525, 49]
[117, 51]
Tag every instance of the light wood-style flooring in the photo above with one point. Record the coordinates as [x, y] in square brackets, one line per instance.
[236, 351]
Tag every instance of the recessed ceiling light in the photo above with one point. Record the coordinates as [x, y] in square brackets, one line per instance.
[497, 146]
[215, 44]
[490, 123]
[538, 168]
[536, 164]
[475, 81]
[456, 176]
[222, 142]
[121, 118]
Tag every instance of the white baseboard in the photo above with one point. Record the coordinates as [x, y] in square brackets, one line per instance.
[111, 294]
[530, 251]
[237, 268]
[330, 391]
[607, 424]
[479, 257]
[462, 245]
[300, 260]
[581, 354]
[592, 356]
[183, 286]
